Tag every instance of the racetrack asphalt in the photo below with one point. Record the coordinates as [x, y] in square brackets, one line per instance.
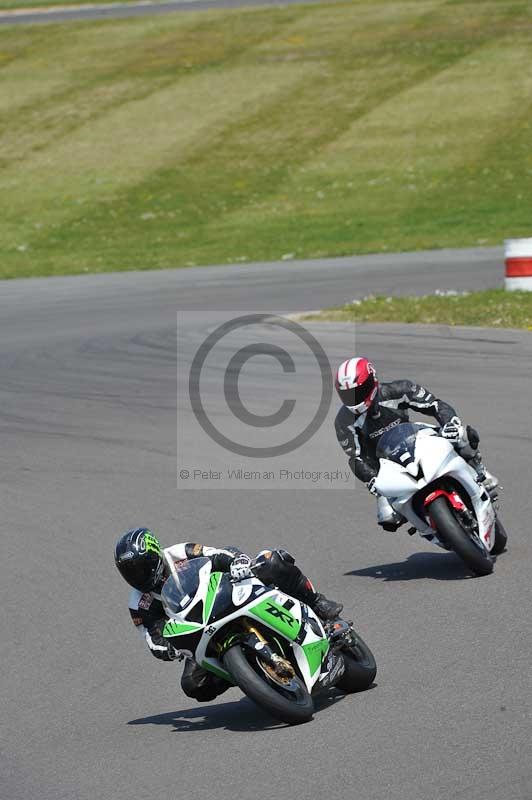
[88, 429]
[30, 16]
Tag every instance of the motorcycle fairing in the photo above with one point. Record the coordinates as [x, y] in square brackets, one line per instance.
[291, 620]
[432, 458]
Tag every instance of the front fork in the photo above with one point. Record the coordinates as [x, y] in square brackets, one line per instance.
[252, 639]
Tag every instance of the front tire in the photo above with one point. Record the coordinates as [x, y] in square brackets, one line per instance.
[458, 539]
[501, 538]
[360, 667]
[293, 706]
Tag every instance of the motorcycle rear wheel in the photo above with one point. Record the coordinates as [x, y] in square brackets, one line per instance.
[276, 702]
[451, 532]
[360, 667]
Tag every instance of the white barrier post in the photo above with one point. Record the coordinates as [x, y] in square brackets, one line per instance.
[518, 262]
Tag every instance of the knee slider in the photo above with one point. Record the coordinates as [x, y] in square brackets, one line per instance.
[190, 686]
[472, 437]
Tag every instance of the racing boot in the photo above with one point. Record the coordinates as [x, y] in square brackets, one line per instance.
[326, 610]
[387, 517]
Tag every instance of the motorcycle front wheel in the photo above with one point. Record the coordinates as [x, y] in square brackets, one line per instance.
[501, 538]
[457, 538]
[289, 702]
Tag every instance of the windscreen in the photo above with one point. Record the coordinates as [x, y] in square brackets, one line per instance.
[398, 444]
[178, 592]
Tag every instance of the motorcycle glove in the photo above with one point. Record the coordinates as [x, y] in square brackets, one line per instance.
[240, 568]
[371, 487]
[453, 430]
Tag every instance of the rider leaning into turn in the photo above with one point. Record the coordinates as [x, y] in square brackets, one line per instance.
[371, 408]
[139, 559]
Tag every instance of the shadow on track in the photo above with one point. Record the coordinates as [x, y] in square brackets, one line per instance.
[239, 715]
[418, 566]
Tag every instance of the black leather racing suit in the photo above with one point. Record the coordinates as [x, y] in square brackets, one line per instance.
[359, 437]
[274, 567]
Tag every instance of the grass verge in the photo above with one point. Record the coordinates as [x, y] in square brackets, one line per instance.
[495, 308]
[257, 134]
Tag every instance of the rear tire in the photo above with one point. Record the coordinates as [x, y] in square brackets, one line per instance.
[360, 667]
[501, 538]
[451, 532]
[294, 710]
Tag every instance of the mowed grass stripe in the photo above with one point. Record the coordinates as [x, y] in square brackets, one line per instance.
[316, 130]
[38, 62]
[107, 156]
[375, 171]
[486, 186]
[114, 149]
[448, 163]
[77, 89]
[248, 156]
[123, 141]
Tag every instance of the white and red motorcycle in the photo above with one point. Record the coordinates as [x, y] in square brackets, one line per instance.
[434, 488]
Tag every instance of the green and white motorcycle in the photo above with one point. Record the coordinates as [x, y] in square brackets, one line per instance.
[256, 637]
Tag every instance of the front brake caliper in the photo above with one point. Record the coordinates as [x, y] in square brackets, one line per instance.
[274, 663]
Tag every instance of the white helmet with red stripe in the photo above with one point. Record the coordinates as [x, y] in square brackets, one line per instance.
[357, 385]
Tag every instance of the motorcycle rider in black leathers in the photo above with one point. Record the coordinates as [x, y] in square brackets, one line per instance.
[371, 408]
[139, 559]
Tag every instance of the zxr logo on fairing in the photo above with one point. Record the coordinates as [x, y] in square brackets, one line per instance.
[279, 614]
